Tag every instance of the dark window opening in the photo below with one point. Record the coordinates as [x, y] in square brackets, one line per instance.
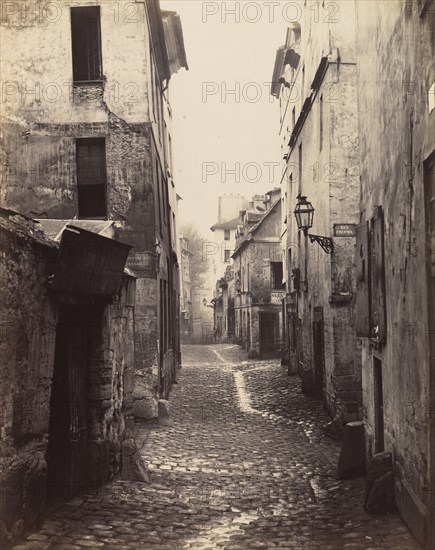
[91, 177]
[227, 255]
[379, 405]
[86, 44]
[227, 234]
[277, 272]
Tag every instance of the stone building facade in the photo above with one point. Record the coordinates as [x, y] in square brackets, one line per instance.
[315, 82]
[87, 135]
[258, 279]
[67, 368]
[186, 291]
[395, 247]
[224, 319]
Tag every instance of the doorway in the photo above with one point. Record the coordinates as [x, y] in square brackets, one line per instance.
[248, 332]
[68, 429]
[318, 352]
[379, 405]
[269, 326]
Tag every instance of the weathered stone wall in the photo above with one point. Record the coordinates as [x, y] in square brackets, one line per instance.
[396, 68]
[28, 330]
[44, 114]
[111, 385]
[29, 317]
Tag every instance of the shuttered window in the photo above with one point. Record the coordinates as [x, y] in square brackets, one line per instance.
[362, 280]
[370, 279]
[86, 44]
[91, 177]
[378, 314]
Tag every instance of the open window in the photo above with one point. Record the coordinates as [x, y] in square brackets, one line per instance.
[277, 273]
[86, 44]
[91, 177]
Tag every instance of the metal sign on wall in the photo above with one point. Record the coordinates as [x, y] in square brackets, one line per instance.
[276, 297]
[344, 230]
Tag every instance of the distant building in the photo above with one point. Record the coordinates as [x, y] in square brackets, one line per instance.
[186, 317]
[224, 311]
[229, 208]
[258, 279]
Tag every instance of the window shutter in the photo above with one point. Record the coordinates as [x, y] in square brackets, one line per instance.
[378, 308]
[362, 280]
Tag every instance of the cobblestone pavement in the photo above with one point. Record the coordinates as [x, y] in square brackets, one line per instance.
[244, 465]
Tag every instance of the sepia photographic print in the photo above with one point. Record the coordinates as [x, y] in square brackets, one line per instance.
[217, 235]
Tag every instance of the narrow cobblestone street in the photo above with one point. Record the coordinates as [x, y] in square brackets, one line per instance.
[243, 465]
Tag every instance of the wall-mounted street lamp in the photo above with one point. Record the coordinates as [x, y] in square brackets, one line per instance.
[304, 214]
[238, 285]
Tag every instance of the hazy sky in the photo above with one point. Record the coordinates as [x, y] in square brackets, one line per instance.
[222, 107]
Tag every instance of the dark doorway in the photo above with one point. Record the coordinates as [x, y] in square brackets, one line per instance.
[248, 332]
[68, 430]
[379, 405]
[231, 320]
[318, 352]
[269, 326]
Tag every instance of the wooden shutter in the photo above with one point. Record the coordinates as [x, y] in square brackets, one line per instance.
[362, 280]
[378, 308]
[91, 161]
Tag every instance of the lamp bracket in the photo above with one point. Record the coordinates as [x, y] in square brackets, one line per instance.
[324, 242]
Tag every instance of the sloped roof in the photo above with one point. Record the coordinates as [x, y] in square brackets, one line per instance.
[254, 229]
[53, 229]
[230, 224]
[24, 227]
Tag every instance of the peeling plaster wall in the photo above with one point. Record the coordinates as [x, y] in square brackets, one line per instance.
[396, 69]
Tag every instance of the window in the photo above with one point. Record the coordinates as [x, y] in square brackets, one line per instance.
[91, 177]
[159, 195]
[165, 197]
[227, 255]
[86, 44]
[227, 234]
[276, 268]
